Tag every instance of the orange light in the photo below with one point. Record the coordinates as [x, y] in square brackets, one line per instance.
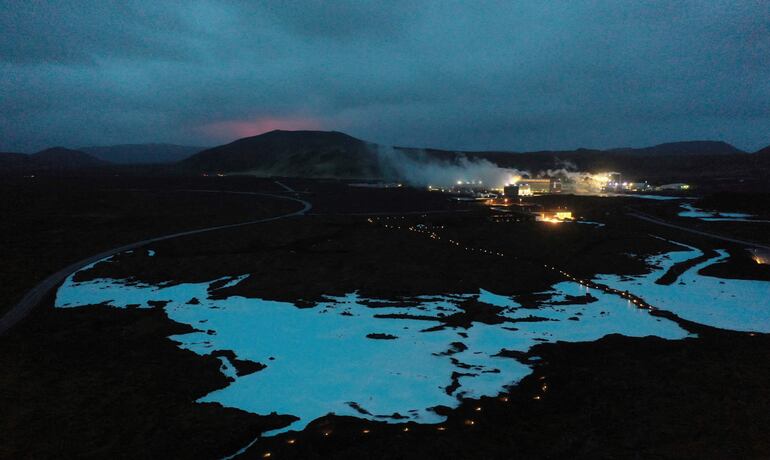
[291, 441]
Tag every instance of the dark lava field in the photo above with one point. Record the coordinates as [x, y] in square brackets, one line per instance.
[126, 379]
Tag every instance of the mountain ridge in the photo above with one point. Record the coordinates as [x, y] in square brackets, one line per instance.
[148, 153]
[54, 159]
[335, 154]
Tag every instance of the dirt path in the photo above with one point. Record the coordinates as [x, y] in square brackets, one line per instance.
[33, 298]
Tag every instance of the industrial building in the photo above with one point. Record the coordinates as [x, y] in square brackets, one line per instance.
[556, 215]
[529, 187]
[509, 210]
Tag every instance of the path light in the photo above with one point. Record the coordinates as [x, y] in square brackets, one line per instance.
[441, 428]
[267, 455]
[291, 441]
[587, 283]
[406, 428]
[365, 431]
[478, 409]
[327, 433]
[470, 422]
[536, 397]
[504, 399]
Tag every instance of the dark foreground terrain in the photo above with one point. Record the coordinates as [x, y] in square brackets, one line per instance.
[50, 222]
[99, 382]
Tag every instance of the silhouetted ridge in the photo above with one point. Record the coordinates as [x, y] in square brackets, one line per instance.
[335, 154]
[691, 148]
[63, 158]
[142, 153]
[53, 160]
[291, 153]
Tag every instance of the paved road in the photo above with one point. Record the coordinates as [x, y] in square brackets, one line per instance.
[655, 220]
[33, 298]
[284, 186]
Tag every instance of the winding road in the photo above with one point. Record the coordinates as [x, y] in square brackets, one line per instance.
[33, 298]
[655, 220]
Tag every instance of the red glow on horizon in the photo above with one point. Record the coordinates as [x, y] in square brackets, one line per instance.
[236, 129]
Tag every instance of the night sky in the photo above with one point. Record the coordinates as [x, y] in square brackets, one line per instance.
[510, 75]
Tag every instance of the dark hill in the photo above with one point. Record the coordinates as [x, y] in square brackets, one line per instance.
[54, 160]
[60, 158]
[691, 148]
[665, 162]
[291, 153]
[334, 154]
[764, 151]
[142, 153]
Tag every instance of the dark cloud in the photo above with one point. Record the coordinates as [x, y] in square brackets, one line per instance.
[471, 75]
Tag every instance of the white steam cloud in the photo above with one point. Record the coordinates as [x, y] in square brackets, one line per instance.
[419, 168]
[579, 182]
[416, 167]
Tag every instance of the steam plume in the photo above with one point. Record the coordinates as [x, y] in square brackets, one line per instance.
[420, 168]
[416, 167]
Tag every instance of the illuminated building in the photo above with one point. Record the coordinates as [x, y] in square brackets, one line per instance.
[760, 256]
[529, 187]
[558, 215]
[611, 181]
[535, 186]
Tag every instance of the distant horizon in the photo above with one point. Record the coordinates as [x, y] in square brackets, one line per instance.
[503, 150]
